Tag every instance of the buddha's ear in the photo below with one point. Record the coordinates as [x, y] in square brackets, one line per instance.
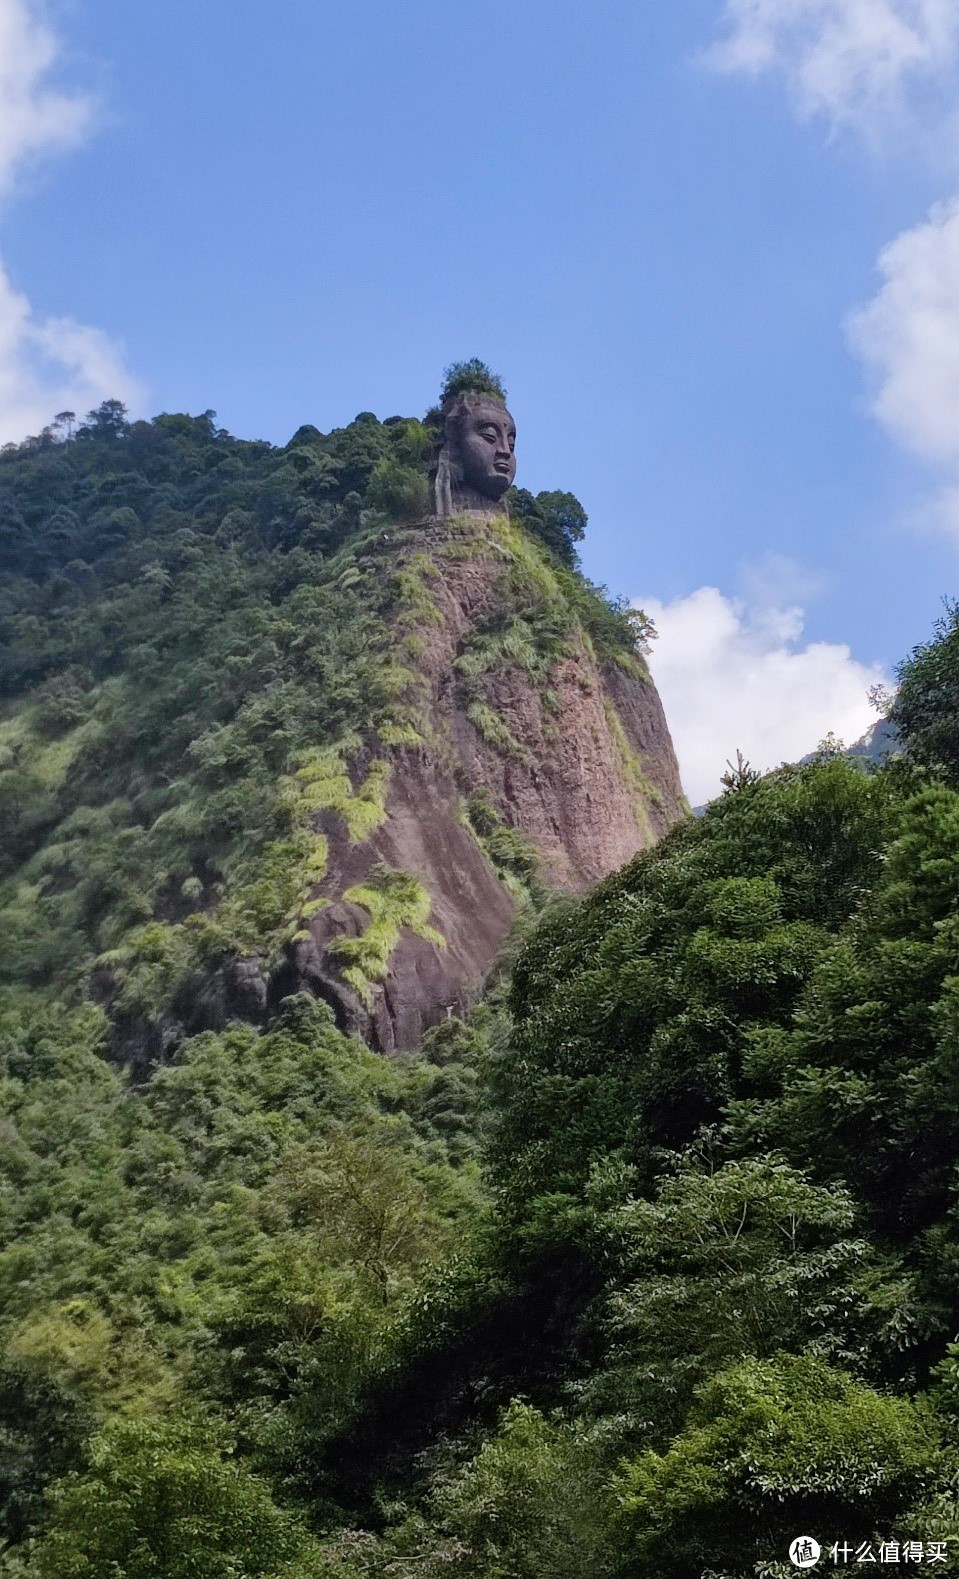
[441, 483]
[451, 445]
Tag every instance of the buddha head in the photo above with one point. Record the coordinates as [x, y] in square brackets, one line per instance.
[486, 439]
[475, 464]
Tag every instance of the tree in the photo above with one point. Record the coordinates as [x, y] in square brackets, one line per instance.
[774, 1449]
[398, 491]
[925, 709]
[108, 421]
[161, 1500]
[728, 1260]
[471, 377]
[633, 1013]
[532, 1502]
[557, 519]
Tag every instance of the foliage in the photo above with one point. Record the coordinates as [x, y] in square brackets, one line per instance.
[646, 1265]
[513, 855]
[161, 1499]
[240, 1227]
[634, 1015]
[557, 519]
[397, 491]
[774, 1448]
[394, 900]
[740, 1258]
[199, 655]
[529, 1503]
[470, 377]
[925, 709]
[215, 658]
[727, 1090]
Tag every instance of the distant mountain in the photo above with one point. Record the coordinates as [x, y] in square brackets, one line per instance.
[880, 741]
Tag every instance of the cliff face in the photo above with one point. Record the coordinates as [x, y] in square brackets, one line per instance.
[528, 744]
[256, 735]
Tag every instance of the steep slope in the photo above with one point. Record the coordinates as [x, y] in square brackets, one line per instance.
[267, 726]
[526, 735]
[646, 1265]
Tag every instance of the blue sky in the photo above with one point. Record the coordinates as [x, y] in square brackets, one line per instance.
[291, 212]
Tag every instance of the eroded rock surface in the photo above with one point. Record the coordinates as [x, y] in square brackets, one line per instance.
[577, 759]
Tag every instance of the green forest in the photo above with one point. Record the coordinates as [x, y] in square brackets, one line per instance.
[645, 1267]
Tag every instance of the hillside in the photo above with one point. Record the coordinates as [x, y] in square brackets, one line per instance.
[266, 727]
[643, 1263]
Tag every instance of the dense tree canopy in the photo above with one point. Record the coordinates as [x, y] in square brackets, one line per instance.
[471, 377]
[645, 1268]
[925, 709]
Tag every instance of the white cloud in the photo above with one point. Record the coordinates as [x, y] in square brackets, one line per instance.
[872, 64]
[908, 335]
[852, 61]
[734, 677]
[908, 338]
[34, 117]
[52, 364]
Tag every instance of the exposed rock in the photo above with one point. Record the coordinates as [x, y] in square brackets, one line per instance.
[568, 752]
[583, 767]
[237, 991]
[143, 1042]
[424, 835]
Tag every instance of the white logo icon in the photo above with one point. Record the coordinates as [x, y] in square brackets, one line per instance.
[804, 1552]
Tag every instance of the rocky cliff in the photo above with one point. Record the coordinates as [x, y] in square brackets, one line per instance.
[267, 723]
[530, 751]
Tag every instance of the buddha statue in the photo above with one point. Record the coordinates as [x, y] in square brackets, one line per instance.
[474, 463]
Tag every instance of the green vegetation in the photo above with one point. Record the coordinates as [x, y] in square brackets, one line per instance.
[189, 643]
[545, 612]
[557, 519]
[394, 901]
[174, 1264]
[631, 769]
[471, 377]
[926, 706]
[722, 1144]
[514, 856]
[323, 783]
[646, 1267]
[199, 657]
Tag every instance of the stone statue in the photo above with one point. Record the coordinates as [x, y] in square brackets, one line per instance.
[474, 463]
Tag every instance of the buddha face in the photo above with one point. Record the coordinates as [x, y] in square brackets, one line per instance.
[487, 440]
